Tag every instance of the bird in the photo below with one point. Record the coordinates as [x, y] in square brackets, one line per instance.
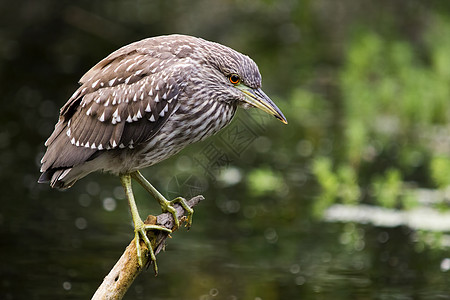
[144, 103]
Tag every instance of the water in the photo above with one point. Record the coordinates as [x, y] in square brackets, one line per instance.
[64, 249]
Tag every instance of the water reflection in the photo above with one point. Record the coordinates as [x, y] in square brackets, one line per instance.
[228, 258]
[420, 218]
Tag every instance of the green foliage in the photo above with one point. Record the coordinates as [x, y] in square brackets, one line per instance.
[388, 188]
[438, 39]
[440, 171]
[263, 181]
[393, 100]
[389, 95]
[328, 181]
[340, 185]
[311, 109]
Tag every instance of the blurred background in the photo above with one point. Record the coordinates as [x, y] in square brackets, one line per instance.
[350, 200]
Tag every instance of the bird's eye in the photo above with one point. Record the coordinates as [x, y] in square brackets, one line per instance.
[234, 78]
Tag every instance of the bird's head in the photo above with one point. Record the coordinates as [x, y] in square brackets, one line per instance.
[237, 80]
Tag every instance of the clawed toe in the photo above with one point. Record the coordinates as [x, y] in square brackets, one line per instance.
[168, 206]
[186, 207]
[140, 232]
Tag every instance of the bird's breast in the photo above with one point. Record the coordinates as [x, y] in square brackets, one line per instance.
[187, 125]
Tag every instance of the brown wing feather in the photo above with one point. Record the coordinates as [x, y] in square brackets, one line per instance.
[122, 102]
[128, 117]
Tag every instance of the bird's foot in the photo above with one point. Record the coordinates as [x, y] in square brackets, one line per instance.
[167, 206]
[140, 232]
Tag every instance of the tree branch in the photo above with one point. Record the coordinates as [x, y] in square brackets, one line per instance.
[122, 275]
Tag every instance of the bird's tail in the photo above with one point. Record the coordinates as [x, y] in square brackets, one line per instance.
[62, 178]
[56, 178]
[62, 163]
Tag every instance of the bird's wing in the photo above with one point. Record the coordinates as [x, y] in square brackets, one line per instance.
[122, 101]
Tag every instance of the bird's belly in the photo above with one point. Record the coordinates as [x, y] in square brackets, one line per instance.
[176, 135]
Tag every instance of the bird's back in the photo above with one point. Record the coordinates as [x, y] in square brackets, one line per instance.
[136, 107]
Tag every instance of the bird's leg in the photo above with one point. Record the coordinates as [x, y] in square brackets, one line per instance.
[140, 229]
[166, 206]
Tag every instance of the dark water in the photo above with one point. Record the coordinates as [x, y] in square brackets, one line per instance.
[258, 234]
[68, 243]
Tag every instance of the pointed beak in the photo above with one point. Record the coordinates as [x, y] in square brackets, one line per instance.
[258, 99]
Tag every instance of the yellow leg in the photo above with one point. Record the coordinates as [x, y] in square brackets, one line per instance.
[140, 229]
[166, 206]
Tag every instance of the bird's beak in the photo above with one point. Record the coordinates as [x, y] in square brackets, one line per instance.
[257, 98]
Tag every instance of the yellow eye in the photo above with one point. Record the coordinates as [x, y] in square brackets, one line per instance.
[234, 78]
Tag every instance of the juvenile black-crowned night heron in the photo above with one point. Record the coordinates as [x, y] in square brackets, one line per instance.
[144, 103]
